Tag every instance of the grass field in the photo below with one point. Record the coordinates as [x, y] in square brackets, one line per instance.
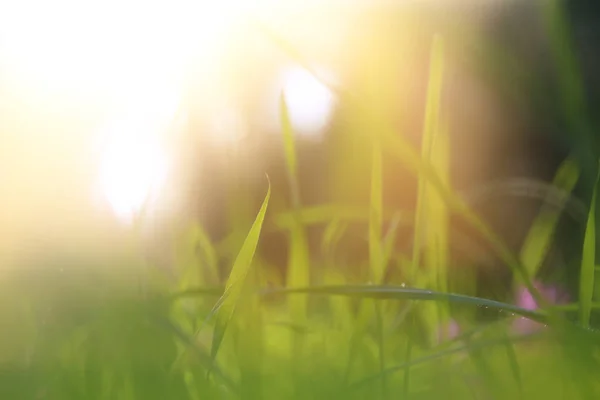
[68, 332]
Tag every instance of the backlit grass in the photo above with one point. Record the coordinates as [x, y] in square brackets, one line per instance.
[322, 333]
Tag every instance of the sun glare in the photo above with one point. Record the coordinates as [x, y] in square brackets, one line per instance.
[129, 60]
[309, 101]
[133, 166]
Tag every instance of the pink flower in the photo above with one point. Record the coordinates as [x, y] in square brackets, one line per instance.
[449, 331]
[524, 299]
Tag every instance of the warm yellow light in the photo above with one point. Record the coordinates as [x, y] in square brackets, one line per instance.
[126, 62]
[123, 59]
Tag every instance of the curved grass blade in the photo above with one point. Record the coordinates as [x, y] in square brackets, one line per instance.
[226, 305]
[391, 292]
[554, 195]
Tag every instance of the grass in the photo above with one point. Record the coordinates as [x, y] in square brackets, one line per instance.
[321, 335]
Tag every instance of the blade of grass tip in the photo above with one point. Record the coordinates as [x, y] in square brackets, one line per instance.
[398, 146]
[588, 264]
[226, 305]
[539, 238]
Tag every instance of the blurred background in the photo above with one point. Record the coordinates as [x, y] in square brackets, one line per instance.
[138, 141]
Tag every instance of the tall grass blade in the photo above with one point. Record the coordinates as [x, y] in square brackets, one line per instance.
[539, 238]
[226, 305]
[377, 267]
[588, 265]
[298, 266]
[430, 234]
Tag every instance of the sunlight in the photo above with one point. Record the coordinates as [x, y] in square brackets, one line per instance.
[309, 101]
[126, 63]
[125, 60]
[134, 165]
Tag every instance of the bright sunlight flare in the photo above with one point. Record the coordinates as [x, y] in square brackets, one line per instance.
[127, 63]
[309, 101]
[133, 166]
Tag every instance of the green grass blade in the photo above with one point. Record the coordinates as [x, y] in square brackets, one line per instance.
[290, 151]
[571, 85]
[431, 236]
[376, 261]
[391, 292]
[377, 267]
[298, 273]
[226, 305]
[539, 238]
[588, 264]
[513, 361]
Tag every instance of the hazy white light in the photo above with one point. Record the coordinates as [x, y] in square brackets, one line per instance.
[310, 102]
[103, 51]
[132, 167]
[227, 125]
[133, 156]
